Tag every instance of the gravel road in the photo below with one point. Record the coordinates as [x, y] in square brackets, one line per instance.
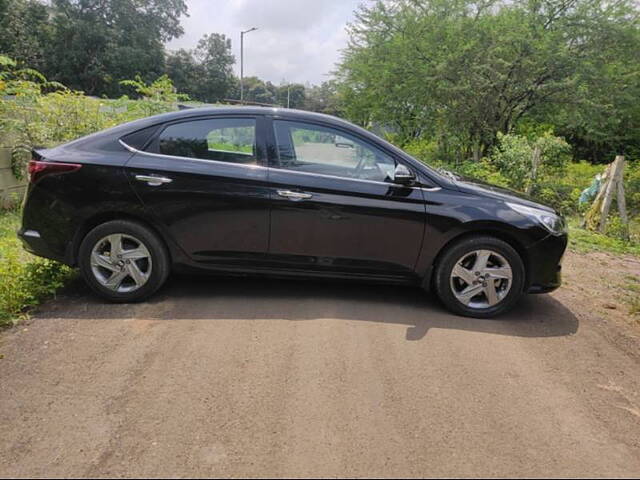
[277, 378]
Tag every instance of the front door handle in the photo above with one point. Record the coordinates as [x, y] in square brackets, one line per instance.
[294, 195]
[152, 180]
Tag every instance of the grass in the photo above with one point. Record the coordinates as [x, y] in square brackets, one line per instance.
[25, 280]
[630, 290]
[582, 241]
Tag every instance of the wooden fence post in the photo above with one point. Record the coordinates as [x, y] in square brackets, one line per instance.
[535, 162]
[612, 184]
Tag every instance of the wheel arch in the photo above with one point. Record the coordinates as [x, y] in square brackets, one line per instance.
[93, 221]
[480, 231]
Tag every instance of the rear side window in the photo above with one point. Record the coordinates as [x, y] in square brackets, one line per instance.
[231, 140]
[139, 139]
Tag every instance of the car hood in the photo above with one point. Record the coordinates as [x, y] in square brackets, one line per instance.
[478, 187]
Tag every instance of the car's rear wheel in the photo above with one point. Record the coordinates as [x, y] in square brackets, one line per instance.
[123, 261]
[480, 277]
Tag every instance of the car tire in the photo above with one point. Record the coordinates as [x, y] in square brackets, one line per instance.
[123, 261]
[468, 289]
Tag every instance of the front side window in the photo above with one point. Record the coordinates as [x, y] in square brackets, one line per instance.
[316, 149]
[230, 140]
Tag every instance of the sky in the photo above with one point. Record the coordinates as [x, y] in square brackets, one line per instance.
[296, 41]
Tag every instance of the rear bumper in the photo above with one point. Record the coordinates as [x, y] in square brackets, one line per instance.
[33, 242]
[545, 264]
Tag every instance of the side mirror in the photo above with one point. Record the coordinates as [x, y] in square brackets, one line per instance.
[403, 176]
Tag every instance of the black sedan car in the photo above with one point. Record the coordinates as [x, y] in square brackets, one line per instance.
[244, 190]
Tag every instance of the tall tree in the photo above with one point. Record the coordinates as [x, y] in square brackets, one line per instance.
[323, 98]
[461, 71]
[25, 31]
[185, 72]
[205, 73]
[213, 52]
[96, 43]
[257, 90]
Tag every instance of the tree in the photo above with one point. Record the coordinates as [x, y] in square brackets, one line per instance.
[603, 121]
[95, 43]
[323, 98]
[25, 31]
[257, 90]
[206, 73]
[463, 71]
[184, 70]
[291, 95]
[214, 55]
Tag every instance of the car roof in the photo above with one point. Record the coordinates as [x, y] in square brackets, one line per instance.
[234, 110]
[103, 138]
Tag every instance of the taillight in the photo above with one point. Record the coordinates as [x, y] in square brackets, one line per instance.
[38, 169]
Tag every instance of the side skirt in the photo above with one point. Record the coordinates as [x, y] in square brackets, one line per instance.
[289, 273]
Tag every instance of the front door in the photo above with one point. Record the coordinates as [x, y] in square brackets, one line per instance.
[205, 180]
[335, 207]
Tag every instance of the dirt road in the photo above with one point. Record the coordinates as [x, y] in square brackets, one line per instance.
[275, 378]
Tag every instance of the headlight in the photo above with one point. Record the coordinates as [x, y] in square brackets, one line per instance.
[552, 222]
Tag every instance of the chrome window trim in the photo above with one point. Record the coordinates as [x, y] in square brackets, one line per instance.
[151, 154]
[173, 157]
[324, 175]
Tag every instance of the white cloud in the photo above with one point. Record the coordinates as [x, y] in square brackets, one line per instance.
[296, 40]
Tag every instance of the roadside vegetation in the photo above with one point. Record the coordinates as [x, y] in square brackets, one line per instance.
[37, 112]
[583, 241]
[25, 280]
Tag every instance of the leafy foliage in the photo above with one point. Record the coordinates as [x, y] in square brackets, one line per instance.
[204, 73]
[513, 157]
[460, 72]
[25, 31]
[37, 113]
[24, 280]
[582, 240]
[157, 96]
[257, 90]
[90, 45]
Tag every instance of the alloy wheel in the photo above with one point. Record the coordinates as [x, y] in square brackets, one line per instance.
[121, 263]
[481, 279]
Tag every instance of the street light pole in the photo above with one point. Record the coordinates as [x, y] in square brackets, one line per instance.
[242, 62]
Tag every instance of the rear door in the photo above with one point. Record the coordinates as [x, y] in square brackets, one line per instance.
[335, 206]
[205, 180]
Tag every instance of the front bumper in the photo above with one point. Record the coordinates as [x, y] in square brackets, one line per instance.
[545, 264]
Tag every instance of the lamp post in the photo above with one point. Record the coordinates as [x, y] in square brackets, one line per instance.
[242, 62]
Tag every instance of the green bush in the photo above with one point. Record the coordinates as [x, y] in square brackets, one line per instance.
[25, 280]
[559, 181]
[35, 112]
[513, 157]
[632, 187]
[616, 229]
[583, 240]
[428, 152]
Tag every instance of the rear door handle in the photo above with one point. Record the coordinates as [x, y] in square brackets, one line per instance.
[152, 180]
[294, 195]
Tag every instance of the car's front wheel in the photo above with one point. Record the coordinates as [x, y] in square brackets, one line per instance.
[480, 277]
[123, 261]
